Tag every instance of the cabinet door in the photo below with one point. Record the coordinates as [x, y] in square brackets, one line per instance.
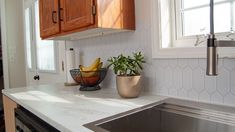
[49, 17]
[9, 113]
[76, 14]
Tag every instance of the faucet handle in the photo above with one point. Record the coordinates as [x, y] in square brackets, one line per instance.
[225, 43]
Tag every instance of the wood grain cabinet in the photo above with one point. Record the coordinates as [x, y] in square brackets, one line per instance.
[9, 114]
[75, 19]
[49, 17]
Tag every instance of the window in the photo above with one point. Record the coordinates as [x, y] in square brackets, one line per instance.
[194, 16]
[180, 27]
[184, 20]
[41, 52]
[45, 48]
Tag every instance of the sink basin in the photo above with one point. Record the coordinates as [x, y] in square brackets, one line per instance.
[171, 115]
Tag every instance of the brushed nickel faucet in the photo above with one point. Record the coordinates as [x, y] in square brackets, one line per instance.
[212, 44]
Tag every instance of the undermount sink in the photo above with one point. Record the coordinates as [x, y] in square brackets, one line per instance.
[171, 115]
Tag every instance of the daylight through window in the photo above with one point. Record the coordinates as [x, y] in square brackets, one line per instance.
[182, 21]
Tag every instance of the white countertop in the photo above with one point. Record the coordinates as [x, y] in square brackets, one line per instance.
[68, 109]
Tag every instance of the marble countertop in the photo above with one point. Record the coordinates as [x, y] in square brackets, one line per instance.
[68, 109]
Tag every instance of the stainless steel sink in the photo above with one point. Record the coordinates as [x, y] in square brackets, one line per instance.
[171, 115]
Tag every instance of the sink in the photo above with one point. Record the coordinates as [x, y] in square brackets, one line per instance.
[171, 115]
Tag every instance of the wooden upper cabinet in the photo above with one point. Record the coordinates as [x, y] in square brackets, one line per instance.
[76, 14]
[75, 19]
[49, 17]
[116, 14]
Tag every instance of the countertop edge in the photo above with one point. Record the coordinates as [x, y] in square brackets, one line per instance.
[41, 116]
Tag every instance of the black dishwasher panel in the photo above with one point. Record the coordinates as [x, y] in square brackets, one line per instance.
[28, 122]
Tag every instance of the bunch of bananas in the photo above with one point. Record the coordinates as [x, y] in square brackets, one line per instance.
[91, 70]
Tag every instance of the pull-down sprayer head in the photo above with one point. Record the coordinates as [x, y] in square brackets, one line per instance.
[212, 57]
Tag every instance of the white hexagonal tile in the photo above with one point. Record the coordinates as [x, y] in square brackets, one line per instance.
[192, 94]
[156, 63]
[202, 63]
[177, 78]
[204, 96]
[229, 99]
[223, 81]
[193, 63]
[216, 98]
[149, 77]
[198, 80]
[168, 77]
[160, 77]
[124, 38]
[172, 63]
[182, 63]
[187, 79]
[155, 90]
[173, 92]
[144, 39]
[210, 84]
[232, 80]
[220, 63]
[109, 79]
[163, 91]
[229, 64]
[163, 63]
[182, 93]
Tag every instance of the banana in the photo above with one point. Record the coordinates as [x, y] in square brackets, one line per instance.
[93, 72]
[92, 67]
[88, 74]
[100, 65]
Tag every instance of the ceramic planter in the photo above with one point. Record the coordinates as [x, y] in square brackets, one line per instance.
[128, 86]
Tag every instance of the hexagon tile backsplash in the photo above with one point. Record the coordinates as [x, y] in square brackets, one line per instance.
[181, 78]
[186, 78]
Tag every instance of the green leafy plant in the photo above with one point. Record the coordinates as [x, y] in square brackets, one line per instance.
[127, 65]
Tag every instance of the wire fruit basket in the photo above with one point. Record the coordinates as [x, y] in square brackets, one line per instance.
[89, 80]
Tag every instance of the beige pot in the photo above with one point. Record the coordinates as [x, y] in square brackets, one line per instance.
[128, 86]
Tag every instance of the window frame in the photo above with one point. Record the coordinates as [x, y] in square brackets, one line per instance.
[30, 37]
[179, 22]
[34, 54]
[177, 52]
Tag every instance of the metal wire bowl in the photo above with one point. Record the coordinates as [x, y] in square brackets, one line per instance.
[88, 80]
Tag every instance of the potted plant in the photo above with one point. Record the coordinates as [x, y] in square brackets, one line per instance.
[128, 69]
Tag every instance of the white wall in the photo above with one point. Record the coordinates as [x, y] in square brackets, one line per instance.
[182, 78]
[15, 43]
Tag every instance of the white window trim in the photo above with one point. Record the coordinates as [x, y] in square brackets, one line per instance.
[4, 44]
[30, 5]
[31, 35]
[194, 52]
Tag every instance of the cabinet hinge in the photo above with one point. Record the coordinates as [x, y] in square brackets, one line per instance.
[93, 10]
